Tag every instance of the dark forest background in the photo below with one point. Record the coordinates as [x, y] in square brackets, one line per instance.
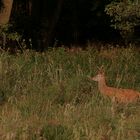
[48, 23]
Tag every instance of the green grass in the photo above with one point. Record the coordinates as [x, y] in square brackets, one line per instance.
[49, 96]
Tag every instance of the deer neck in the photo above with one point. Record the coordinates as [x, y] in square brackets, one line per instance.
[102, 86]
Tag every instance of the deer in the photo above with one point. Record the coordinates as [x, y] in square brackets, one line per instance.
[118, 94]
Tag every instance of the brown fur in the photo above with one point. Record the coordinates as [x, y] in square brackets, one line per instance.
[120, 95]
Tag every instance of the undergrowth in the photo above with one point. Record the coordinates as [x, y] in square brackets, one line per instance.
[49, 96]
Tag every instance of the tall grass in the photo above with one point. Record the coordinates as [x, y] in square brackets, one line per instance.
[48, 95]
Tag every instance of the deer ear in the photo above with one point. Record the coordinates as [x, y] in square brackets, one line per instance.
[101, 70]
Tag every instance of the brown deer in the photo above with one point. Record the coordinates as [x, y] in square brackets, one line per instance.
[120, 95]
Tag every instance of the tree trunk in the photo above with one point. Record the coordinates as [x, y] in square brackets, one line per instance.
[35, 20]
[45, 15]
[5, 11]
[53, 23]
[49, 19]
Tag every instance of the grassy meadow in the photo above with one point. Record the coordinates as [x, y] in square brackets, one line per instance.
[48, 96]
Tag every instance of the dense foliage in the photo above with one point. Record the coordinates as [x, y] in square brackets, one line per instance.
[53, 22]
[125, 16]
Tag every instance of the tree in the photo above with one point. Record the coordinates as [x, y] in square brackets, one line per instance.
[53, 22]
[5, 11]
[125, 16]
[45, 15]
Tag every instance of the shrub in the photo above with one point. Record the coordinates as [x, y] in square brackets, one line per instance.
[125, 16]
